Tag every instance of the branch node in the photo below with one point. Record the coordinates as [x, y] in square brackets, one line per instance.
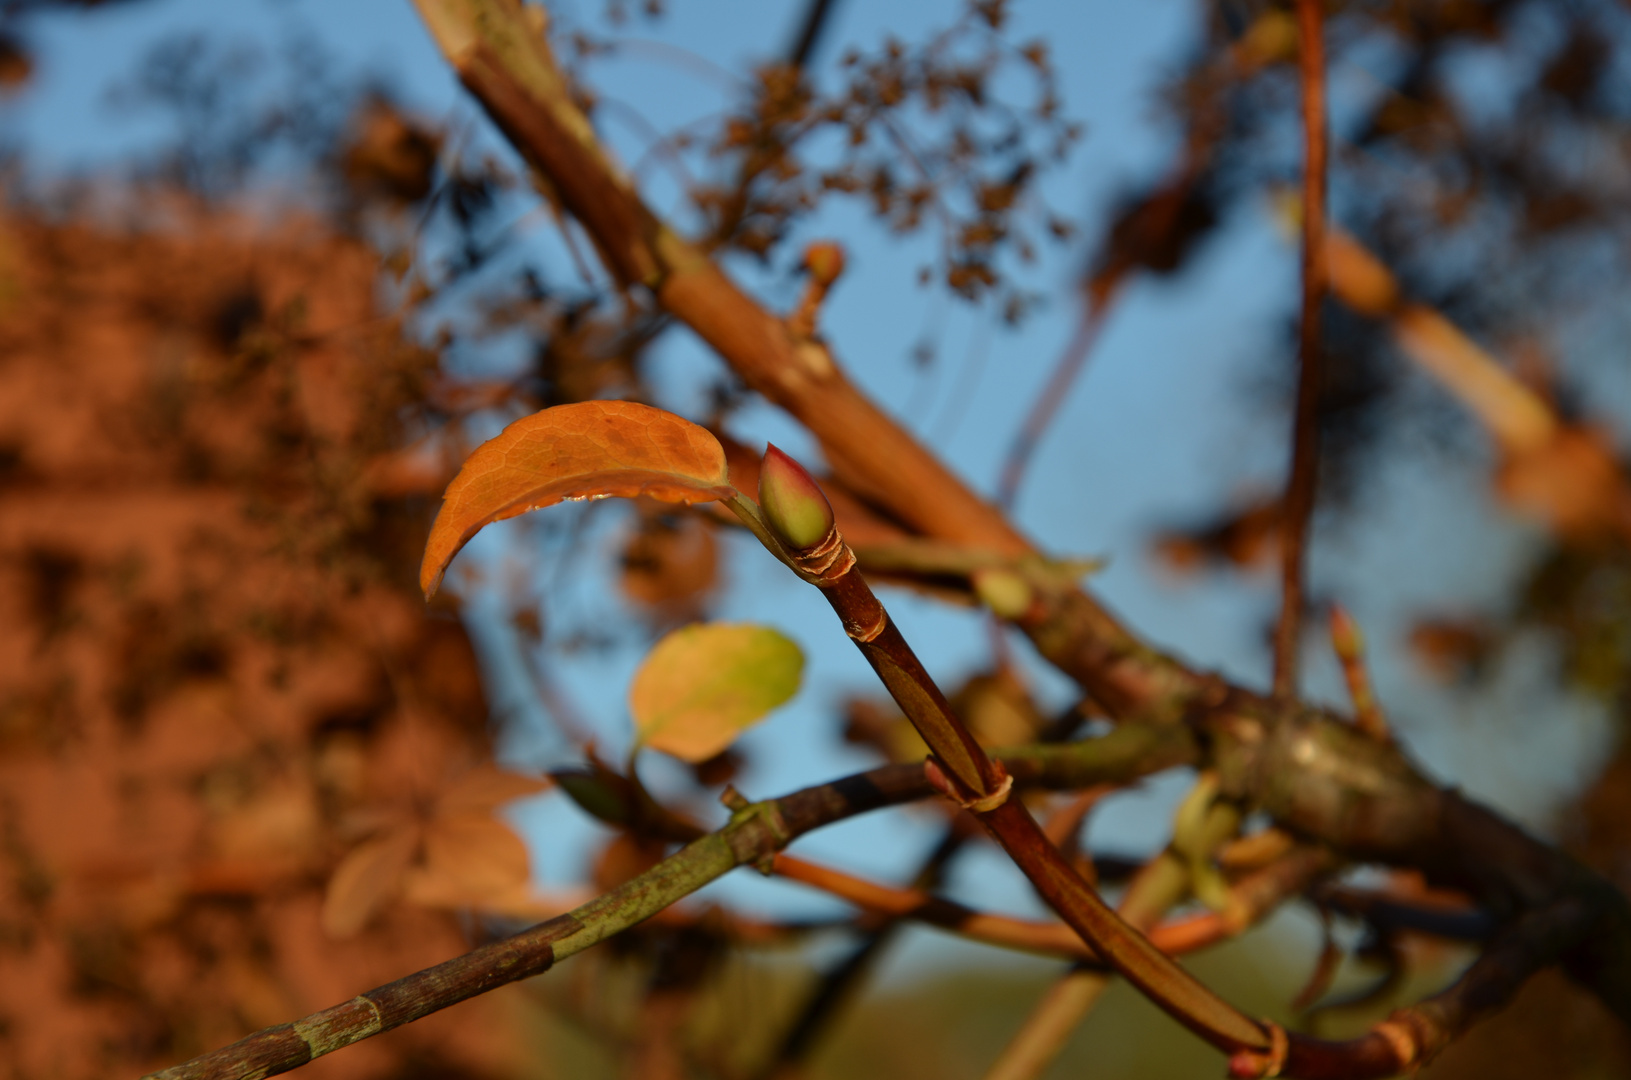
[327, 1031]
[828, 561]
[979, 804]
[864, 632]
[1401, 1038]
[1258, 1064]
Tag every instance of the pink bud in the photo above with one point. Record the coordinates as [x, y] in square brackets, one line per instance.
[796, 510]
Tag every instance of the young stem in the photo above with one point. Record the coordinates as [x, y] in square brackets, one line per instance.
[981, 786]
[1161, 884]
[757, 831]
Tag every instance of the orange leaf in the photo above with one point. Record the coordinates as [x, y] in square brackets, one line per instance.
[365, 879]
[589, 450]
[485, 788]
[469, 857]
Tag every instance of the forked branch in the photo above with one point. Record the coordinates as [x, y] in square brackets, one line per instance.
[1313, 773]
[754, 834]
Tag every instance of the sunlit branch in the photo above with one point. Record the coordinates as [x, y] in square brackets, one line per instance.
[960, 767]
[1160, 884]
[1308, 770]
[1535, 441]
[755, 833]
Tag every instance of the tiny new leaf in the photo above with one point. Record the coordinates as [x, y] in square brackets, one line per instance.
[703, 684]
[588, 450]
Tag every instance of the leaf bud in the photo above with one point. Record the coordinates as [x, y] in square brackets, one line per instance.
[794, 507]
[1346, 640]
[825, 262]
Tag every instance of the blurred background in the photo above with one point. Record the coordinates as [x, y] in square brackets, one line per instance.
[267, 275]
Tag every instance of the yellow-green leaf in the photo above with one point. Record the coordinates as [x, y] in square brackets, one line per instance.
[704, 684]
[589, 450]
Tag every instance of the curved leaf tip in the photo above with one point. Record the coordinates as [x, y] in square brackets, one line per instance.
[588, 450]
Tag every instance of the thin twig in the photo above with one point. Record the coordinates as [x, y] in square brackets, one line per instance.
[1005, 931]
[812, 27]
[754, 833]
[1325, 970]
[1248, 902]
[1046, 406]
[1412, 1036]
[1349, 645]
[968, 776]
[1309, 770]
[839, 982]
[1392, 912]
[1299, 500]
[1159, 885]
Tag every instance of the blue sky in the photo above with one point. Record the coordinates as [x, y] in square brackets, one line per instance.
[1161, 424]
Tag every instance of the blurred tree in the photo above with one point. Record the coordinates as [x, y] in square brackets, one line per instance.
[217, 675]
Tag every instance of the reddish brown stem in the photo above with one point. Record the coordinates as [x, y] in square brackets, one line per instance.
[1295, 763]
[966, 774]
[1251, 900]
[1412, 1036]
[1349, 645]
[1299, 499]
[749, 838]
[1129, 952]
[981, 786]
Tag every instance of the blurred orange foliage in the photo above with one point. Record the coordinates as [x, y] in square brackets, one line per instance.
[216, 674]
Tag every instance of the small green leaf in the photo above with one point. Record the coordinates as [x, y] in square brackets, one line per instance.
[704, 684]
[598, 793]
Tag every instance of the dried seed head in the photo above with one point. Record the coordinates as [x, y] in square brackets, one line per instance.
[796, 510]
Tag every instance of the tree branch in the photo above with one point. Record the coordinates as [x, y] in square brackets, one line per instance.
[960, 767]
[1309, 770]
[754, 833]
[1160, 884]
[1250, 901]
[840, 980]
[1411, 1037]
[817, 14]
[1300, 487]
